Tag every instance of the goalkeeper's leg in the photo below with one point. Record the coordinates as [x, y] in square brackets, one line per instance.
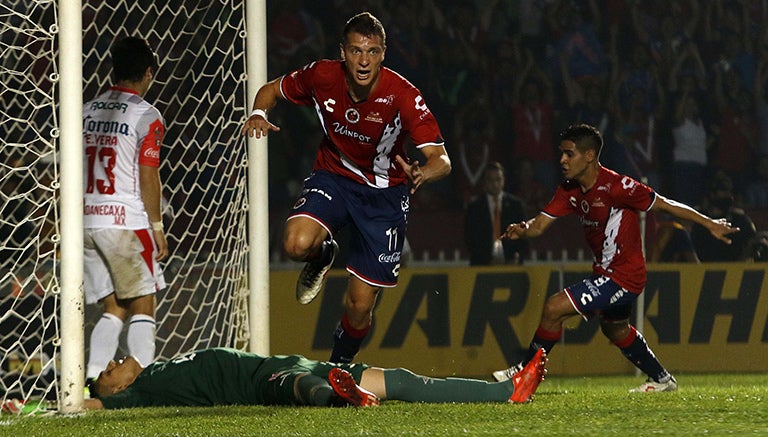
[404, 385]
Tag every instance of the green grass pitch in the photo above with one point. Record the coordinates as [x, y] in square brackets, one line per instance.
[712, 404]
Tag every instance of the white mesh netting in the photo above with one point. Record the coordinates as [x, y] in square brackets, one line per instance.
[200, 90]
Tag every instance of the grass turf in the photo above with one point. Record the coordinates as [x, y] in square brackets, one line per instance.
[713, 404]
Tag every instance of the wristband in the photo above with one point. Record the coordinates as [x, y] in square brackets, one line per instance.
[157, 226]
[260, 112]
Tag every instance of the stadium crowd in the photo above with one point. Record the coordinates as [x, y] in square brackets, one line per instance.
[677, 87]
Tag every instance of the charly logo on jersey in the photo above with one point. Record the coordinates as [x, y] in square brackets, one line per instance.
[351, 115]
[597, 203]
[585, 206]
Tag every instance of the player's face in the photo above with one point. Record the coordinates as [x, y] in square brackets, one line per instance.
[362, 56]
[573, 163]
[118, 375]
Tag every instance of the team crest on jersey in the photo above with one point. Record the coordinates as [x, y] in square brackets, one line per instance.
[585, 206]
[352, 115]
[299, 203]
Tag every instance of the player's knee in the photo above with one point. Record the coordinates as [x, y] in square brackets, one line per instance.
[553, 309]
[615, 330]
[299, 246]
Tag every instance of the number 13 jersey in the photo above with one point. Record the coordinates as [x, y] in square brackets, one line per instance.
[121, 131]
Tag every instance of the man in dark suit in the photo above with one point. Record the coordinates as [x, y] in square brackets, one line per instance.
[483, 223]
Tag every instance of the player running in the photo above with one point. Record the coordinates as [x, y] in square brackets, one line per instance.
[607, 204]
[361, 171]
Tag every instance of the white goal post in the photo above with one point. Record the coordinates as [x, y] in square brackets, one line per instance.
[55, 55]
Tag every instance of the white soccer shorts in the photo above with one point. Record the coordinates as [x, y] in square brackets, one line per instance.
[120, 261]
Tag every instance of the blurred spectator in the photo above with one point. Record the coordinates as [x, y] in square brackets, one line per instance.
[665, 26]
[761, 102]
[530, 191]
[530, 20]
[587, 102]
[757, 250]
[756, 195]
[719, 204]
[486, 219]
[577, 37]
[407, 51]
[689, 152]
[475, 138]
[295, 36]
[532, 117]
[639, 108]
[736, 127]
[672, 243]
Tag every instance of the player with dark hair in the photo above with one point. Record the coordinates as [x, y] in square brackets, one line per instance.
[222, 376]
[124, 238]
[607, 204]
[361, 171]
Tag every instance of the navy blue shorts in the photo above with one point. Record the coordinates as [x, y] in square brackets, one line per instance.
[378, 218]
[599, 295]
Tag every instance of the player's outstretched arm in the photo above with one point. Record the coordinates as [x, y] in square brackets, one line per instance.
[528, 229]
[719, 228]
[257, 124]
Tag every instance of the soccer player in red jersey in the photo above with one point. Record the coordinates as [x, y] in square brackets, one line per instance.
[607, 204]
[361, 172]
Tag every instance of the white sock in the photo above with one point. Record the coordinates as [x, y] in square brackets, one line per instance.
[103, 344]
[141, 338]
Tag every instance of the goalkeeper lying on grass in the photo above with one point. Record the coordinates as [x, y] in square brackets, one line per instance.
[221, 376]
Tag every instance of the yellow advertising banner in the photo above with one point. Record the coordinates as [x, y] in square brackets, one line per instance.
[471, 321]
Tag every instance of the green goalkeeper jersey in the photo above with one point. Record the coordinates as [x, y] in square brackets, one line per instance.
[221, 376]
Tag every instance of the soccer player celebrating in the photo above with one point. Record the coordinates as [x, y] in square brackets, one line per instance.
[222, 376]
[607, 204]
[360, 173]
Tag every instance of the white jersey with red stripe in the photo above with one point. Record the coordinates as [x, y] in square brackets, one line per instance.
[120, 132]
[362, 139]
[609, 214]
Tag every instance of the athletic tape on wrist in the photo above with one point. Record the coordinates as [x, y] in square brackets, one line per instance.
[260, 112]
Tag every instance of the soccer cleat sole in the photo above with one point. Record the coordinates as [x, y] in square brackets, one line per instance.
[311, 284]
[527, 380]
[345, 386]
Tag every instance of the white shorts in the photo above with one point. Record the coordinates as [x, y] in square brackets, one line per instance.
[120, 261]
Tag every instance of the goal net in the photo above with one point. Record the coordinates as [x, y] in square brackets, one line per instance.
[200, 88]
